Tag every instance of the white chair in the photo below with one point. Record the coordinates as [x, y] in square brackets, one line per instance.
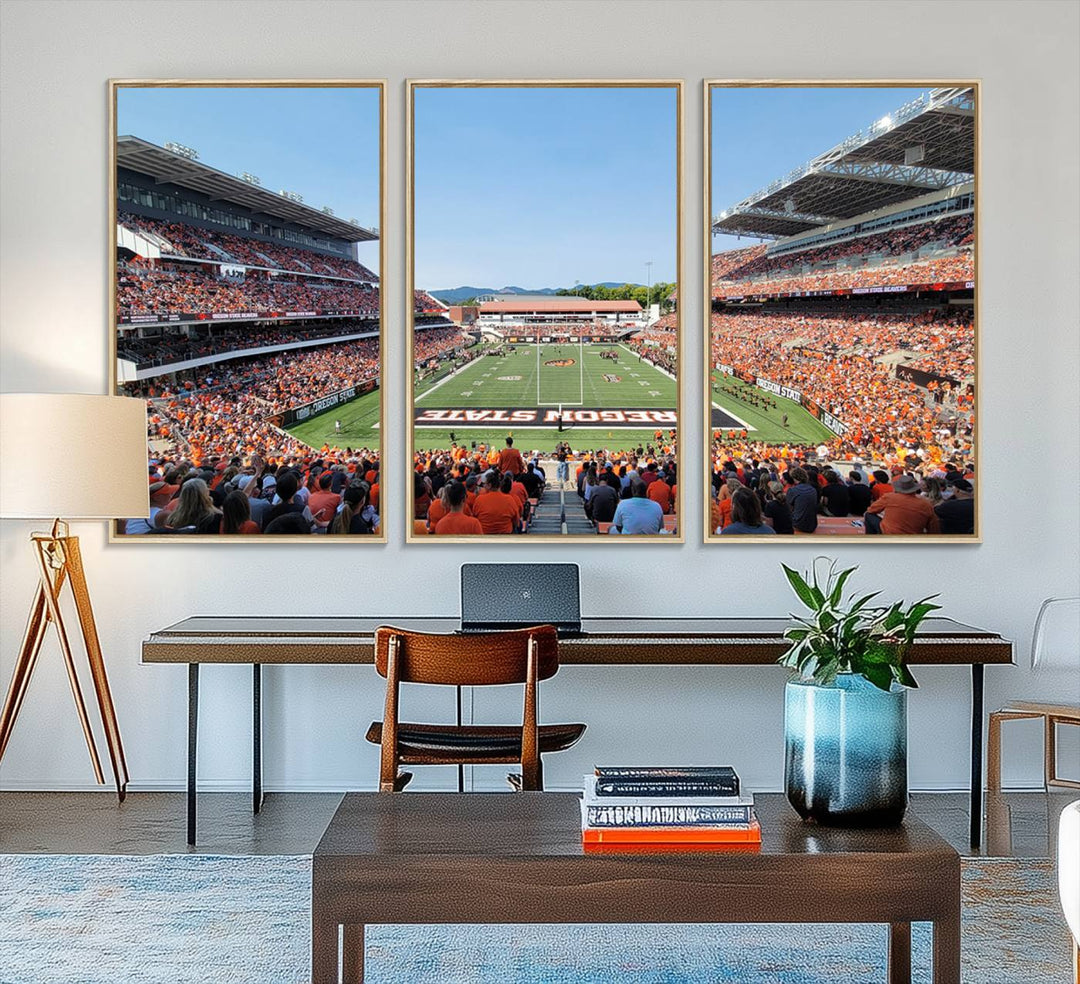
[1055, 645]
[1069, 875]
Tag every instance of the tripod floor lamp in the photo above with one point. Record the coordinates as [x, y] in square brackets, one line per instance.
[101, 443]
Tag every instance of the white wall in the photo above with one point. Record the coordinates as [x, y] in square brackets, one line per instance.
[55, 60]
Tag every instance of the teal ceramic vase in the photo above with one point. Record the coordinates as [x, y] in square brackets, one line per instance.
[846, 752]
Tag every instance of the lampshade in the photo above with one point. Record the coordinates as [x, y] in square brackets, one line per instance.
[72, 456]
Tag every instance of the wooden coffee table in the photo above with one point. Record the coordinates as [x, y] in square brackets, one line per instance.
[517, 858]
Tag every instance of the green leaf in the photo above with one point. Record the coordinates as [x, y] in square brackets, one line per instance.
[880, 676]
[838, 589]
[858, 605]
[800, 587]
[903, 676]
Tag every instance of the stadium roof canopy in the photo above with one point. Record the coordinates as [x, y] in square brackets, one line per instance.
[561, 305]
[165, 167]
[926, 145]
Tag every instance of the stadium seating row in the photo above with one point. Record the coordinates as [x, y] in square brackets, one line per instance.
[197, 242]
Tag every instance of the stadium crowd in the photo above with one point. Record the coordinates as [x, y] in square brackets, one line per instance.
[489, 490]
[662, 357]
[846, 364]
[305, 493]
[145, 290]
[156, 350]
[424, 303]
[756, 262]
[758, 496]
[959, 268]
[226, 409]
[597, 329]
[433, 343]
[196, 242]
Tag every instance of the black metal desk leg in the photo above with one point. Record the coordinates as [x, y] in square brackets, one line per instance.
[256, 738]
[461, 767]
[976, 753]
[192, 748]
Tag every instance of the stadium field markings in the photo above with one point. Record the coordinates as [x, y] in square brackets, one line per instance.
[734, 416]
[601, 389]
[445, 379]
[802, 427]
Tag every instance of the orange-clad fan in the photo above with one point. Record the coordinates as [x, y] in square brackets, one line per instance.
[455, 522]
[497, 510]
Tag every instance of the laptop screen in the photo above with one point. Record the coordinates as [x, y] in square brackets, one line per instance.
[510, 595]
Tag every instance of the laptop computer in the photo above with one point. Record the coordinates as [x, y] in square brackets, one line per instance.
[515, 596]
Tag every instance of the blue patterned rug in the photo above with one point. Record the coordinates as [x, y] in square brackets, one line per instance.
[246, 920]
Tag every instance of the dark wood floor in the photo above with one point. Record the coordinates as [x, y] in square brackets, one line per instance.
[1021, 824]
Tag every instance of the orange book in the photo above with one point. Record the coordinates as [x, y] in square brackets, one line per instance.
[639, 848]
[749, 834]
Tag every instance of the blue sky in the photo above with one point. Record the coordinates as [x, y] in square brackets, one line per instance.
[322, 143]
[759, 134]
[542, 187]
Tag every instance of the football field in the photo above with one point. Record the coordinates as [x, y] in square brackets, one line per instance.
[359, 425]
[731, 410]
[604, 403]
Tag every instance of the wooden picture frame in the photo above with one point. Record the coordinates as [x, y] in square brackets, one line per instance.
[851, 160]
[417, 87]
[310, 260]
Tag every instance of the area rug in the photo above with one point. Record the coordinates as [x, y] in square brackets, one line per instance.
[68, 919]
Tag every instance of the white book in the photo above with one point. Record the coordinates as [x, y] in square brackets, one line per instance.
[591, 799]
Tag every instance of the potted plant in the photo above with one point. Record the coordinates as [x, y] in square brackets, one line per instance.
[845, 714]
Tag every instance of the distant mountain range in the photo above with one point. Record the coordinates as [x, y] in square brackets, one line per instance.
[455, 295]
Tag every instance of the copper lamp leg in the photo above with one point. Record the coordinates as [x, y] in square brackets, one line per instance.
[24, 666]
[69, 660]
[97, 667]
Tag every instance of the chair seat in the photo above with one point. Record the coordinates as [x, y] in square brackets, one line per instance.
[1047, 710]
[473, 743]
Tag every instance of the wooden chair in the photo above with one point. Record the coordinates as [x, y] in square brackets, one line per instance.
[1055, 644]
[485, 659]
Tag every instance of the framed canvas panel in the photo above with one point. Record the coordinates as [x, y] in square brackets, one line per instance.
[245, 237]
[545, 348]
[841, 307]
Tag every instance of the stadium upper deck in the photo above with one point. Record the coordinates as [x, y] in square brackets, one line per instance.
[275, 216]
[927, 145]
[553, 311]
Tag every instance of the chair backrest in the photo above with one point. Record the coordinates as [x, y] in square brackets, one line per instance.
[468, 660]
[1055, 643]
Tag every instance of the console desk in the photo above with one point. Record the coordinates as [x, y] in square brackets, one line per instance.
[617, 641]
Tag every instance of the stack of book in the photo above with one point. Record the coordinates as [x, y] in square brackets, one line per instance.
[681, 806]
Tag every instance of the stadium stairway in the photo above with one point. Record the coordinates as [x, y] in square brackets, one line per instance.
[560, 512]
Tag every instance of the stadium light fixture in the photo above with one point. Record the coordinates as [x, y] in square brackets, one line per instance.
[648, 289]
[190, 153]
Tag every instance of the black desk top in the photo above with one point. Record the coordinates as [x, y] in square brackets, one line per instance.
[604, 640]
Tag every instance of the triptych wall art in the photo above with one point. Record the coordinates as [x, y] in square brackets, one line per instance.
[545, 332]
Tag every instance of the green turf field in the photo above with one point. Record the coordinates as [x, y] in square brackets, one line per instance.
[520, 379]
[359, 425]
[767, 425]
[528, 378]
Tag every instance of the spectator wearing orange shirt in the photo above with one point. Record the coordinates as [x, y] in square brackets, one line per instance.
[881, 485]
[455, 522]
[660, 493]
[497, 510]
[510, 459]
[323, 503]
[903, 511]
